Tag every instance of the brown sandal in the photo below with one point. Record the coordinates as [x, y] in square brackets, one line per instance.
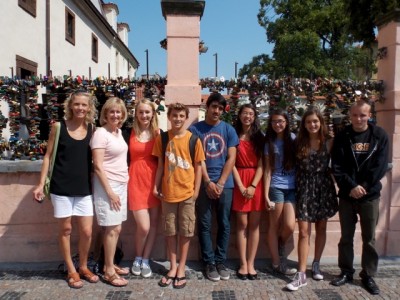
[113, 280]
[74, 281]
[88, 276]
[121, 271]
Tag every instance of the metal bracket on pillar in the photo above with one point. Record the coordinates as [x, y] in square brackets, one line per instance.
[382, 53]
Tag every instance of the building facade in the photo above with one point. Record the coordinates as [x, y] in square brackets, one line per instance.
[64, 37]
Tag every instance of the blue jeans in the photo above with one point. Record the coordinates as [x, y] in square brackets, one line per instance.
[204, 207]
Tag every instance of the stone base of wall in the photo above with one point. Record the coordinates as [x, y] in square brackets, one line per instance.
[28, 230]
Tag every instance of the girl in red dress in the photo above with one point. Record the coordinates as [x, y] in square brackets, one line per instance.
[247, 194]
[142, 171]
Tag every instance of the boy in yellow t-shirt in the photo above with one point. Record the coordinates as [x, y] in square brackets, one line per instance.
[177, 184]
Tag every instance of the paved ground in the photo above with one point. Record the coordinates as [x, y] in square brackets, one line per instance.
[43, 281]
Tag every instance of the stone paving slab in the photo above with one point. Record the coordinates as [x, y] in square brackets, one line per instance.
[48, 283]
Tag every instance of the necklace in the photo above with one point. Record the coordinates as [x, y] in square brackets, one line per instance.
[144, 136]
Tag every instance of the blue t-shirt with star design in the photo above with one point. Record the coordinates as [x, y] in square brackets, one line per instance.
[216, 140]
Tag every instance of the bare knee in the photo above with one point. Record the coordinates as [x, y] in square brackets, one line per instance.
[113, 231]
[86, 233]
[65, 232]
[64, 228]
[303, 234]
[143, 229]
[241, 224]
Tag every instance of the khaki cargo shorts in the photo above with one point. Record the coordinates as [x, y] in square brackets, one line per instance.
[179, 217]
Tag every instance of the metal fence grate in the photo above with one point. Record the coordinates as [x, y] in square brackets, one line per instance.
[223, 295]
[327, 294]
[10, 295]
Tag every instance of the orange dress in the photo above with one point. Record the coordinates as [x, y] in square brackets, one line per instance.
[142, 173]
[246, 165]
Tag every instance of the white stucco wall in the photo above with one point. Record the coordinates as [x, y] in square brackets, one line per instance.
[78, 57]
[23, 35]
[97, 4]
[111, 16]
[28, 39]
[123, 33]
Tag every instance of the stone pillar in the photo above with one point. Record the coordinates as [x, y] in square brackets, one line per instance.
[183, 32]
[388, 117]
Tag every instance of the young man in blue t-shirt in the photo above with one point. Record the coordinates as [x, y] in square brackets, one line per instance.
[219, 141]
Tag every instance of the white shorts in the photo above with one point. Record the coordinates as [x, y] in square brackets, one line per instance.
[67, 206]
[106, 216]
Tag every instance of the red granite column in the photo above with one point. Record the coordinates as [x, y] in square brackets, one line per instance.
[183, 32]
[388, 117]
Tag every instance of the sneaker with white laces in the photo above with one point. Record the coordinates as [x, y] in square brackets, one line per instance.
[282, 268]
[146, 270]
[299, 281]
[135, 269]
[316, 272]
[222, 271]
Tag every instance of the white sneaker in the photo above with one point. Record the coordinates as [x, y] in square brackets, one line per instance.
[135, 269]
[299, 281]
[316, 272]
[146, 271]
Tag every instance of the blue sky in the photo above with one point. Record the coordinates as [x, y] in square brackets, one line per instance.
[228, 27]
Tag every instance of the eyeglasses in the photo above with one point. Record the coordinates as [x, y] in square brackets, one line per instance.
[278, 122]
[250, 114]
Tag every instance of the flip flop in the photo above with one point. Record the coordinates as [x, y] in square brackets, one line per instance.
[74, 281]
[180, 286]
[115, 280]
[168, 280]
[88, 276]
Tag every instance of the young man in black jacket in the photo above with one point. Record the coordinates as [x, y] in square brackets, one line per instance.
[359, 162]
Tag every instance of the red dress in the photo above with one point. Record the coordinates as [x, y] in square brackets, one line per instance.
[246, 165]
[142, 172]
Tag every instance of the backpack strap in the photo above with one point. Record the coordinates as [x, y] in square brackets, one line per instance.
[192, 146]
[164, 142]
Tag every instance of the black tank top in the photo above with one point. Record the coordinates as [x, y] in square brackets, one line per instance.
[73, 165]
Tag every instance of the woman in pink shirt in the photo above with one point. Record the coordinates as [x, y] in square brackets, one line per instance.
[110, 182]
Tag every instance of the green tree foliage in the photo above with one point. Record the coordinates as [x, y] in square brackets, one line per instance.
[364, 13]
[312, 38]
[259, 65]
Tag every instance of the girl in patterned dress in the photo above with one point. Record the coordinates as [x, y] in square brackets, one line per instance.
[315, 192]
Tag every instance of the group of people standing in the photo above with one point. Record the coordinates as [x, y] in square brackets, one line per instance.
[214, 166]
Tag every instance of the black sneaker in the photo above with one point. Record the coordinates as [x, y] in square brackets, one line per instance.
[212, 273]
[222, 271]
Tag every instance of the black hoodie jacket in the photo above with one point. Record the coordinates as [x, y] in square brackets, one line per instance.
[348, 173]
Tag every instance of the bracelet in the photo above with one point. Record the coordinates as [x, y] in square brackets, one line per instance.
[253, 185]
[219, 185]
[207, 182]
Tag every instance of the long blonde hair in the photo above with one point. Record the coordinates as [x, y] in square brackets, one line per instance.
[153, 128]
[110, 103]
[92, 112]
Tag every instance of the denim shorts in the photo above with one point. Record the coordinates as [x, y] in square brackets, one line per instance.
[278, 195]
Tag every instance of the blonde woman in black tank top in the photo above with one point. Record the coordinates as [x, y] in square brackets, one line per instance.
[70, 187]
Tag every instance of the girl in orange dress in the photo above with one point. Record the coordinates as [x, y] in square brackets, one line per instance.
[247, 193]
[142, 171]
